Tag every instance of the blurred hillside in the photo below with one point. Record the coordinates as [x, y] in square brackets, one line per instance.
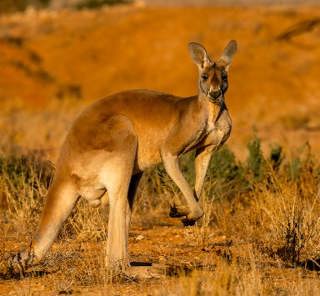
[9, 6]
[228, 2]
[49, 56]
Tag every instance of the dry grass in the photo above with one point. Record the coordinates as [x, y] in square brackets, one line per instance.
[259, 235]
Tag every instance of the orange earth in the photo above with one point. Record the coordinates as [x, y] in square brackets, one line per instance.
[47, 56]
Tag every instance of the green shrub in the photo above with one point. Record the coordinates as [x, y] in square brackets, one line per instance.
[223, 165]
[225, 176]
[276, 157]
[255, 160]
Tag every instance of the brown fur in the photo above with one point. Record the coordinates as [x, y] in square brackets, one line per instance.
[114, 140]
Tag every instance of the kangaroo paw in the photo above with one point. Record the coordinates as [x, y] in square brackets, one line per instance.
[178, 211]
[192, 217]
[16, 266]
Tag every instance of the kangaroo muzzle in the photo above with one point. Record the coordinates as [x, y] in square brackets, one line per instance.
[215, 94]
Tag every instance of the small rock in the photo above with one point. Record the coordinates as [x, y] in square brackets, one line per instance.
[139, 237]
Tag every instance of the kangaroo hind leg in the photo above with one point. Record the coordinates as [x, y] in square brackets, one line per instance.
[116, 175]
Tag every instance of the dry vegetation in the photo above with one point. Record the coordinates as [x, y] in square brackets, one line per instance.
[259, 235]
[261, 231]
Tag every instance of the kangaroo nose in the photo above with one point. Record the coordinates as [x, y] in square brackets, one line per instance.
[215, 93]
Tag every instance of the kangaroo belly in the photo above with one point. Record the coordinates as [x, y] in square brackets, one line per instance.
[150, 142]
[90, 188]
[147, 158]
[85, 170]
[93, 195]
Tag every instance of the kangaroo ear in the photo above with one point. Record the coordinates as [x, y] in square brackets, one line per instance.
[198, 53]
[229, 52]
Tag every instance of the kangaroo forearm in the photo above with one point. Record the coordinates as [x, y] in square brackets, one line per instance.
[201, 166]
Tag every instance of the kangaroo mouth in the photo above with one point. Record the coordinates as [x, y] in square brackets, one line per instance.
[215, 94]
[216, 98]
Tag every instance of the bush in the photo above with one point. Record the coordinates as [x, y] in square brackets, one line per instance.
[24, 180]
[226, 176]
[255, 161]
[8, 6]
[93, 4]
[27, 168]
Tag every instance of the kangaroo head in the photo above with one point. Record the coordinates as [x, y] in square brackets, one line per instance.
[213, 81]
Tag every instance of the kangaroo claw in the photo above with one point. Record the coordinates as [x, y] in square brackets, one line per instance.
[16, 266]
[18, 263]
[188, 222]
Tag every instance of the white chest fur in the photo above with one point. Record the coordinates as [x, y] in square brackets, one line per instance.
[219, 125]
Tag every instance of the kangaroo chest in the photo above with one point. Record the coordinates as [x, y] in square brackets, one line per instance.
[214, 131]
[219, 127]
[197, 139]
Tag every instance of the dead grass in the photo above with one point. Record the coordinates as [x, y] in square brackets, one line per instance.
[259, 235]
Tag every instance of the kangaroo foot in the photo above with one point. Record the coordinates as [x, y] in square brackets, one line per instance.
[178, 209]
[18, 263]
[192, 217]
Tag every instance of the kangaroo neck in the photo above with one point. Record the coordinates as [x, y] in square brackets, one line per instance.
[215, 107]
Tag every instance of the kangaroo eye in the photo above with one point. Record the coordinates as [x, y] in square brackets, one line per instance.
[204, 76]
